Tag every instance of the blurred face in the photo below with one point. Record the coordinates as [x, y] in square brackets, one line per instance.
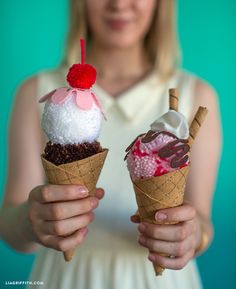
[119, 23]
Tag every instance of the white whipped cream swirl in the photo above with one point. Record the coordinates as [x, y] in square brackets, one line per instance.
[173, 122]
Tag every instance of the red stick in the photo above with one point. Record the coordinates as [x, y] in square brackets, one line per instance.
[82, 46]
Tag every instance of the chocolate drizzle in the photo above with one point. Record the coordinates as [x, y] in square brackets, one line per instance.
[150, 136]
[179, 151]
[131, 145]
[177, 148]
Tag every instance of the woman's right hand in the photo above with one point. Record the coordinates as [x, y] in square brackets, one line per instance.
[59, 214]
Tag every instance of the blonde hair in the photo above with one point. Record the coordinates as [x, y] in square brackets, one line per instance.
[161, 40]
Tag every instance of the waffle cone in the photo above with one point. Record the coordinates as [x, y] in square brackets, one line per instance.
[83, 172]
[173, 99]
[160, 192]
[196, 124]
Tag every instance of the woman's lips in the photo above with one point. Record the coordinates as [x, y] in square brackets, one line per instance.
[118, 24]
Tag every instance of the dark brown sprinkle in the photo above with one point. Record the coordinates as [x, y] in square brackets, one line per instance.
[62, 154]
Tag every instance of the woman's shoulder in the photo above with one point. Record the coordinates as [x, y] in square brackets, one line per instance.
[201, 87]
[203, 92]
[41, 83]
[52, 75]
[201, 84]
[43, 77]
[28, 85]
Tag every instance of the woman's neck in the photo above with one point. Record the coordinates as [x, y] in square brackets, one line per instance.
[118, 69]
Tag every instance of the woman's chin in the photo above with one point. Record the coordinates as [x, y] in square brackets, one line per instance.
[121, 41]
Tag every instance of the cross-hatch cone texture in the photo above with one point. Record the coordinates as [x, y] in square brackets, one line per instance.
[160, 192]
[83, 172]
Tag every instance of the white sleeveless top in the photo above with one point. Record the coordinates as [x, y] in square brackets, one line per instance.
[110, 257]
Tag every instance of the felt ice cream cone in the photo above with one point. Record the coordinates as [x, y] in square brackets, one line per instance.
[71, 120]
[158, 193]
[83, 172]
[68, 255]
[165, 190]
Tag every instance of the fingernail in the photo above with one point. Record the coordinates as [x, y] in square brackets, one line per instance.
[94, 202]
[142, 227]
[82, 190]
[160, 216]
[152, 257]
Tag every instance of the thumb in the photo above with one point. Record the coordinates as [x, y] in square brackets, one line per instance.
[99, 193]
[135, 218]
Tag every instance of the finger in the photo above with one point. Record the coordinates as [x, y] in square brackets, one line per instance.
[66, 227]
[182, 213]
[55, 193]
[65, 210]
[169, 248]
[65, 243]
[135, 218]
[177, 232]
[99, 193]
[171, 263]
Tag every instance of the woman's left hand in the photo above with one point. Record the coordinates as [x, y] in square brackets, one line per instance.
[178, 242]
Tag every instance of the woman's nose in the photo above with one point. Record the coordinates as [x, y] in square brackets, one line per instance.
[120, 4]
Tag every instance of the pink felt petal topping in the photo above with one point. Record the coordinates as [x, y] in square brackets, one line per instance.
[84, 99]
[61, 95]
[98, 103]
[46, 96]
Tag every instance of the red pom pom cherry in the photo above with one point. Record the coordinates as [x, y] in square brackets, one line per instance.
[81, 76]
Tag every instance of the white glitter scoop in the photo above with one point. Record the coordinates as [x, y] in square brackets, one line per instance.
[66, 123]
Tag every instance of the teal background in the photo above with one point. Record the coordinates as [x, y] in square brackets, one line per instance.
[32, 38]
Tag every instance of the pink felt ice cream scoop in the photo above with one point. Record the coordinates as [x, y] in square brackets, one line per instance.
[162, 149]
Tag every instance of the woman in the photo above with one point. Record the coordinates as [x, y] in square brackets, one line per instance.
[132, 43]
